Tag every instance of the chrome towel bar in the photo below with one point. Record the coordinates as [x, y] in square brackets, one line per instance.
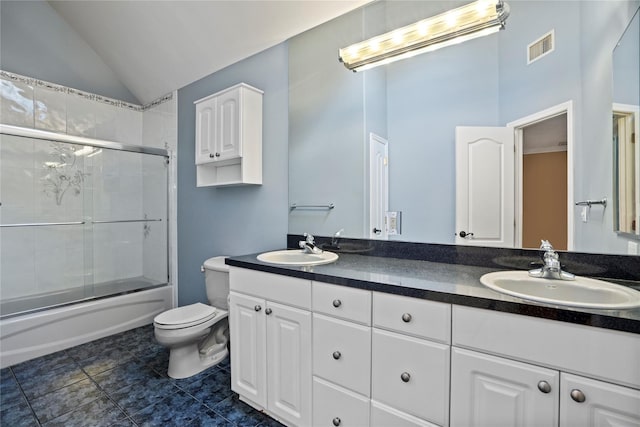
[297, 206]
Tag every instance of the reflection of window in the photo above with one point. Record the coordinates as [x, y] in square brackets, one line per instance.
[626, 169]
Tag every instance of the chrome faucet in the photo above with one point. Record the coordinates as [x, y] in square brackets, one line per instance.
[335, 240]
[308, 245]
[551, 268]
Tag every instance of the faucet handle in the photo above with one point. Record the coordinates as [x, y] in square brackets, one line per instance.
[309, 237]
[545, 245]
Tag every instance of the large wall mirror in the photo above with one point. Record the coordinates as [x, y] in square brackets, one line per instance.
[394, 127]
[626, 125]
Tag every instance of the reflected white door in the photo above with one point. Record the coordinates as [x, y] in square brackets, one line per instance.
[485, 186]
[378, 186]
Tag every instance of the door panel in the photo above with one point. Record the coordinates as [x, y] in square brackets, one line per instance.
[378, 187]
[485, 186]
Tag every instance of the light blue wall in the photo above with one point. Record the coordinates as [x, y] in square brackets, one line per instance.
[36, 42]
[236, 220]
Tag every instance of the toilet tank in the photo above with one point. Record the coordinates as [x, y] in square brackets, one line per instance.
[216, 277]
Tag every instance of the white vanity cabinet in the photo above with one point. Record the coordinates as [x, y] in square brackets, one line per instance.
[229, 137]
[270, 326]
[516, 370]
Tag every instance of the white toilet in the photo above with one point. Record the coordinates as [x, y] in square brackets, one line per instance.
[197, 334]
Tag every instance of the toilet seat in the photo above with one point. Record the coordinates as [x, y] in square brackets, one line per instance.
[185, 317]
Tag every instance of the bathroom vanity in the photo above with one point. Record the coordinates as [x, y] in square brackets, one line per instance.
[378, 341]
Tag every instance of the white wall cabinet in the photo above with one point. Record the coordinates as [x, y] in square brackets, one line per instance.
[271, 348]
[229, 137]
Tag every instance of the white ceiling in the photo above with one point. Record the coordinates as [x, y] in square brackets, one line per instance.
[155, 47]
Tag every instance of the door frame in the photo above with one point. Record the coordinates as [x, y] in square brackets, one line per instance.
[373, 138]
[518, 126]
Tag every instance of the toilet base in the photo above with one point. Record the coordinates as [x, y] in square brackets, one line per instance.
[186, 361]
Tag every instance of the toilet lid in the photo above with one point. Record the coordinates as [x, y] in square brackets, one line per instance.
[183, 317]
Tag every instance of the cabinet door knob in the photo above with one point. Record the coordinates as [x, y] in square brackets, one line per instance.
[337, 303]
[257, 308]
[405, 377]
[544, 387]
[406, 318]
[268, 311]
[337, 355]
[336, 421]
[578, 395]
[217, 154]
[211, 155]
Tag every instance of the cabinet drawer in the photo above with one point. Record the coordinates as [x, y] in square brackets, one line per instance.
[336, 406]
[342, 302]
[274, 287]
[341, 353]
[385, 416]
[594, 352]
[411, 374]
[413, 316]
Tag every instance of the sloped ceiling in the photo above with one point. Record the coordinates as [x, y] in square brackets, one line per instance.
[155, 47]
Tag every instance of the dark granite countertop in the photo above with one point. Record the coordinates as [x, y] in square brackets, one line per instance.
[445, 282]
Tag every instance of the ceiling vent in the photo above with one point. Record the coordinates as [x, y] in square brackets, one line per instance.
[541, 47]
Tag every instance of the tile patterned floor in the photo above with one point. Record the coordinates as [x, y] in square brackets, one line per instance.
[120, 381]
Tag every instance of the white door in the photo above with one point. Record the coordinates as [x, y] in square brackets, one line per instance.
[247, 327]
[228, 125]
[289, 363]
[378, 186]
[485, 186]
[489, 391]
[589, 403]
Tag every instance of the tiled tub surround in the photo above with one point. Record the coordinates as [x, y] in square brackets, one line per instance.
[119, 380]
[451, 274]
[34, 103]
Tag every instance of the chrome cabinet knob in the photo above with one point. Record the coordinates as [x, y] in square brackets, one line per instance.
[406, 318]
[217, 154]
[465, 234]
[268, 311]
[336, 421]
[337, 303]
[337, 355]
[211, 155]
[578, 395]
[257, 308]
[544, 387]
[405, 377]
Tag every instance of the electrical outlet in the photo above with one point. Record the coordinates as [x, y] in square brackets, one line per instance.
[632, 248]
[394, 222]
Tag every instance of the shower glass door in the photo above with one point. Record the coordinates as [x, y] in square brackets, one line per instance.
[79, 221]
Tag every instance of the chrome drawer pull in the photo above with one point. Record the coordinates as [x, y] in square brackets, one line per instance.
[578, 395]
[406, 318]
[336, 421]
[337, 303]
[268, 311]
[257, 308]
[544, 387]
[405, 377]
[337, 355]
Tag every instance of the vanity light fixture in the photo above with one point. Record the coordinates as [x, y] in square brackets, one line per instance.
[477, 19]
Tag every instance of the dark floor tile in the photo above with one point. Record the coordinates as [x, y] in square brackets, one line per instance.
[10, 393]
[108, 359]
[209, 418]
[270, 422]
[123, 423]
[91, 349]
[65, 400]
[144, 393]
[123, 376]
[158, 362]
[101, 412]
[42, 365]
[47, 382]
[178, 409]
[19, 415]
[210, 389]
[239, 412]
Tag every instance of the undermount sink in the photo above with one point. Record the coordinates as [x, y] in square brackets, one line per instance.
[297, 257]
[581, 292]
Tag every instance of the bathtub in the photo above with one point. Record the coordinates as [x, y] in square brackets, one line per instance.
[28, 336]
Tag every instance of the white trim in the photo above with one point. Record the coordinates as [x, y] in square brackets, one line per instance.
[556, 110]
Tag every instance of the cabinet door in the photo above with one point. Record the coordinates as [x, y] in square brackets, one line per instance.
[228, 125]
[289, 363]
[492, 391]
[604, 404]
[248, 347]
[386, 416]
[205, 131]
